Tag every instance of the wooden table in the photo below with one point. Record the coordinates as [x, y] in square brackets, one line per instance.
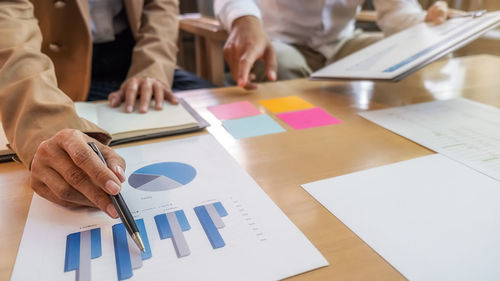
[280, 163]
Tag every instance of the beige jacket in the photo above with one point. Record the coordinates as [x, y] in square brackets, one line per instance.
[45, 57]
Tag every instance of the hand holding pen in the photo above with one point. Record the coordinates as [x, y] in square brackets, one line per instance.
[66, 171]
[122, 208]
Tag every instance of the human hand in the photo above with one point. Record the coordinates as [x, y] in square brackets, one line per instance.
[437, 13]
[144, 87]
[247, 43]
[66, 171]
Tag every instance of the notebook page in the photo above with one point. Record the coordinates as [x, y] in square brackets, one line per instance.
[115, 120]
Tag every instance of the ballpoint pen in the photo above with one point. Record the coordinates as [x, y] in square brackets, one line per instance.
[122, 209]
[472, 14]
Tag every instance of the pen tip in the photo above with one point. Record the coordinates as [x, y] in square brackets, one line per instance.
[138, 241]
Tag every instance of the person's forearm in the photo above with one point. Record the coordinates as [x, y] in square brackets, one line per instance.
[155, 50]
[32, 108]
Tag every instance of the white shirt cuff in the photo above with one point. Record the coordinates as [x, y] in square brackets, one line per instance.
[228, 11]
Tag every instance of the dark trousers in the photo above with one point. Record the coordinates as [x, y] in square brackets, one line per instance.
[110, 64]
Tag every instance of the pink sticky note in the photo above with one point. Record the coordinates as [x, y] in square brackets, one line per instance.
[234, 110]
[309, 118]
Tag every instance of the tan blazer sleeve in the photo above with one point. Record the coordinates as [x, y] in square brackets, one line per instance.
[32, 108]
[155, 51]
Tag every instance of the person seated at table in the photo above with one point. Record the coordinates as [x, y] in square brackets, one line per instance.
[54, 52]
[283, 39]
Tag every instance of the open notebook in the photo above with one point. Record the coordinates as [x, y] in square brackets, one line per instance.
[127, 127]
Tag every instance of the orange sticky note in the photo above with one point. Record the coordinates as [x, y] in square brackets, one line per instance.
[285, 104]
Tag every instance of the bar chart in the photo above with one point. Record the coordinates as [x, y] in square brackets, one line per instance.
[128, 257]
[81, 248]
[162, 176]
[172, 225]
[210, 217]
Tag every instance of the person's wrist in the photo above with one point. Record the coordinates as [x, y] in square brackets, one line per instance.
[246, 21]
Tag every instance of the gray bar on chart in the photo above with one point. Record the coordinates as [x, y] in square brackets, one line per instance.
[214, 215]
[180, 244]
[83, 271]
[135, 253]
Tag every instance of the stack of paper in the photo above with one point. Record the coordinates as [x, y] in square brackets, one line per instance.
[409, 50]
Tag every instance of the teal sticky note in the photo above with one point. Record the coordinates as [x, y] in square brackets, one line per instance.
[252, 126]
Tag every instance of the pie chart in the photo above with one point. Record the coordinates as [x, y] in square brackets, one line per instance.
[162, 176]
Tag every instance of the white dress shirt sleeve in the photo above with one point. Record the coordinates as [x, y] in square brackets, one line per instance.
[396, 15]
[228, 11]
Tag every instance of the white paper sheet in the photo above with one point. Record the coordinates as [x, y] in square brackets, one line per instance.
[432, 218]
[261, 243]
[409, 49]
[466, 131]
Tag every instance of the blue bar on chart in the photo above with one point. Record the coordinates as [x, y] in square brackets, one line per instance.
[81, 247]
[172, 225]
[127, 255]
[210, 217]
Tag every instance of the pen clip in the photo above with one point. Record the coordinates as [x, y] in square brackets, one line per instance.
[472, 14]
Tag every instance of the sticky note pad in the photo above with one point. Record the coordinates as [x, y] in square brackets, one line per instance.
[234, 110]
[308, 118]
[252, 126]
[285, 104]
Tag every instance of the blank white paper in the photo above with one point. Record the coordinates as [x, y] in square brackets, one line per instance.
[432, 218]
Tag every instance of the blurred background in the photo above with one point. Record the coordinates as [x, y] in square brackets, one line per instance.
[201, 41]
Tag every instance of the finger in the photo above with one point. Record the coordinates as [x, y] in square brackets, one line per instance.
[271, 63]
[79, 180]
[80, 162]
[251, 86]
[131, 89]
[158, 95]
[115, 162]
[441, 13]
[232, 60]
[252, 77]
[169, 96]
[437, 13]
[62, 189]
[115, 98]
[245, 64]
[41, 189]
[146, 93]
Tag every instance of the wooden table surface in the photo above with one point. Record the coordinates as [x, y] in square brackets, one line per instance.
[280, 163]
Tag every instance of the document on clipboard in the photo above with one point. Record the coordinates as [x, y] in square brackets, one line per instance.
[403, 53]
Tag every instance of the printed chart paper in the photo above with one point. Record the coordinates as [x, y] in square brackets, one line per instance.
[201, 216]
[432, 218]
[464, 130]
[402, 53]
